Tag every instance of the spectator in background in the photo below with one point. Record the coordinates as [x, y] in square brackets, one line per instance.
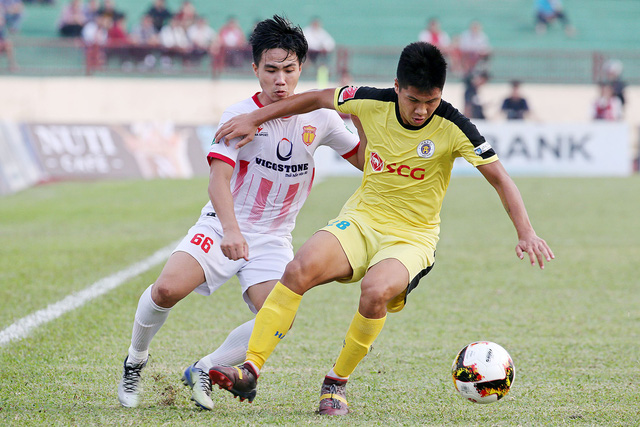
[95, 35]
[90, 9]
[6, 46]
[96, 32]
[613, 77]
[319, 40]
[117, 34]
[118, 44]
[145, 33]
[607, 106]
[233, 42]
[13, 12]
[548, 11]
[203, 39]
[434, 35]
[108, 9]
[175, 42]
[515, 107]
[144, 39]
[159, 14]
[474, 46]
[72, 19]
[186, 14]
[473, 107]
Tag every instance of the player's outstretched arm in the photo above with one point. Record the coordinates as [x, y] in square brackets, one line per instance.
[244, 125]
[511, 199]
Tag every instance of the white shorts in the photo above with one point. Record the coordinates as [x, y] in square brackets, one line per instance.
[268, 256]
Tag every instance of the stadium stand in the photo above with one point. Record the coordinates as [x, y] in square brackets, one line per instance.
[371, 31]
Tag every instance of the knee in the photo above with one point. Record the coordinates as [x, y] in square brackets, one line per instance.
[296, 276]
[164, 295]
[374, 293]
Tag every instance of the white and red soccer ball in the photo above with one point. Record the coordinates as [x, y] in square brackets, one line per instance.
[483, 372]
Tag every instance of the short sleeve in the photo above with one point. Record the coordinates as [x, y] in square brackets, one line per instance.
[341, 98]
[222, 151]
[339, 136]
[472, 146]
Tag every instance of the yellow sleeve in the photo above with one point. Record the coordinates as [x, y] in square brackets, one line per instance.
[343, 100]
[472, 154]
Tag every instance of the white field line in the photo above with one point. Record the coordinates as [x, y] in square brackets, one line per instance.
[24, 326]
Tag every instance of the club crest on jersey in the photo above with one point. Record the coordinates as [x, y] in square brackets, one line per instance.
[308, 134]
[284, 150]
[261, 132]
[347, 93]
[377, 164]
[426, 148]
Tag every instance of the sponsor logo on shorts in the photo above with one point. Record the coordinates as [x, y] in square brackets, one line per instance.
[426, 148]
[308, 134]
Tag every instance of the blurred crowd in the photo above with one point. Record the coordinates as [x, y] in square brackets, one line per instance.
[468, 55]
[158, 38]
[162, 37]
[11, 14]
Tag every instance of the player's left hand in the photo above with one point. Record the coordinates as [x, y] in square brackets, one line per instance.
[239, 126]
[234, 246]
[537, 249]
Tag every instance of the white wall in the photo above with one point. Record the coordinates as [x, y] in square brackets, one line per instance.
[105, 100]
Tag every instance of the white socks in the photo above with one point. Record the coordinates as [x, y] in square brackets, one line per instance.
[332, 374]
[148, 321]
[233, 350]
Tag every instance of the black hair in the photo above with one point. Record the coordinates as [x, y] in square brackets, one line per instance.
[278, 33]
[422, 66]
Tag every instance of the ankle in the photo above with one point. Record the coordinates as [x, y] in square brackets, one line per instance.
[251, 367]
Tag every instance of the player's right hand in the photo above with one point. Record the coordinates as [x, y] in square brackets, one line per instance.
[234, 246]
[239, 126]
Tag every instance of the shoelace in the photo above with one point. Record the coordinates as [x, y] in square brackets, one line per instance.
[131, 377]
[335, 403]
[206, 382]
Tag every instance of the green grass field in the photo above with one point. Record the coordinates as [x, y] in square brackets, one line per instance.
[571, 329]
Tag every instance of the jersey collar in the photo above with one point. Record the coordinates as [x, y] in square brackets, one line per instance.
[256, 100]
[409, 127]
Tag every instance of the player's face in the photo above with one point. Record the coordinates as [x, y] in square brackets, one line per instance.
[278, 74]
[416, 106]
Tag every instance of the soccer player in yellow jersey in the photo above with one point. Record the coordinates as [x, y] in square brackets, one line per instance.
[386, 233]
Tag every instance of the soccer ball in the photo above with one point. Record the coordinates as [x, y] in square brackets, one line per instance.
[483, 372]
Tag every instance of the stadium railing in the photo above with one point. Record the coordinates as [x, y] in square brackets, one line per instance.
[54, 57]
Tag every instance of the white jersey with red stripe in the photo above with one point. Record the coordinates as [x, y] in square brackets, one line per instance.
[273, 174]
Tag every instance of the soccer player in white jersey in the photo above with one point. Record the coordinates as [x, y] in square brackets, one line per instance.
[245, 230]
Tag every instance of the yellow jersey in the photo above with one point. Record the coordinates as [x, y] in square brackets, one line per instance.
[408, 168]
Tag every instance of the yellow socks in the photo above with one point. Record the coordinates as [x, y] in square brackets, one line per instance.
[360, 336]
[272, 323]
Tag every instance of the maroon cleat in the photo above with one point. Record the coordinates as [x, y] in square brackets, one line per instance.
[241, 381]
[333, 397]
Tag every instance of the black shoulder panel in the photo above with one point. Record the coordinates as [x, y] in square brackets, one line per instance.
[450, 113]
[348, 93]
